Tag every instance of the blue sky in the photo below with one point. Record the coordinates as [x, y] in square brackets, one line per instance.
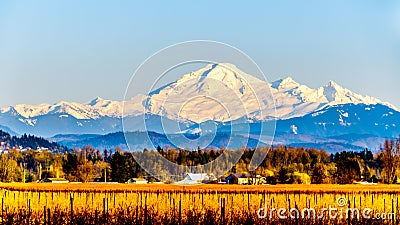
[77, 50]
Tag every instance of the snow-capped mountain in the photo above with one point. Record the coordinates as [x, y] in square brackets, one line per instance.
[217, 92]
[225, 93]
[97, 116]
[333, 128]
[344, 119]
[293, 99]
[93, 110]
[351, 126]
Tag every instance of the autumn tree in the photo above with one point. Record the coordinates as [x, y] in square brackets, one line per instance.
[319, 175]
[70, 166]
[120, 167]
[349, 168]
[99, 168]
[390, 160]
[9, 169]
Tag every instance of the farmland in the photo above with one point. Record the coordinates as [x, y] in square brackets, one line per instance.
[198, 204]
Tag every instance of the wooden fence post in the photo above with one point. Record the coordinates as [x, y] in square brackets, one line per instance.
[223, 211]
[44, 215]
[48, 217]
[72, 208]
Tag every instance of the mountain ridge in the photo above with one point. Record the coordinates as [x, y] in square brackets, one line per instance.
[291, 98]
[218, 93]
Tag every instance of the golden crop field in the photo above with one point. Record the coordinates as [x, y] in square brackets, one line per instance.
[199, 204]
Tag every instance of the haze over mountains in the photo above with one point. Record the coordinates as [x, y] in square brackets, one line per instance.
[228, 97]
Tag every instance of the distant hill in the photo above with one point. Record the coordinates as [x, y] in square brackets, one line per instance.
[71, 138]
[332, 147]
[140, 140]
[28, 141]
[8, 130]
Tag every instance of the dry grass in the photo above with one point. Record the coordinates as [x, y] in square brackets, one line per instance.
[322, 188]
[171, 204]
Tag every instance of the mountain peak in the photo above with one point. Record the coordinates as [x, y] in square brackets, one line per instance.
[95, 101]
[222, 71]
[224, 65]
[203, 94]
[334, 85]
[284, 83]
[337, 94]
[288, 79]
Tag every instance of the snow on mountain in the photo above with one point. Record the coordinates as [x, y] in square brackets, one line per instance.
[134, 106]
[357, 126]
[224, 93]
[76, 110]
[217, 92]
[94, 109]
[293, 99]
[375, 119]
[337, 95]
[106, 107]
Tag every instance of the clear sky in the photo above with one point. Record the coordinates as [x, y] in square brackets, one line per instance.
[77, 50]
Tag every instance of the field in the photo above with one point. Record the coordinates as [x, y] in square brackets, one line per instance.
[199, 204]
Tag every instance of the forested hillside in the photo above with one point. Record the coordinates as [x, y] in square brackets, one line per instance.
[28, 142]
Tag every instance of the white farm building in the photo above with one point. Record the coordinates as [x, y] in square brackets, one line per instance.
[194, 178]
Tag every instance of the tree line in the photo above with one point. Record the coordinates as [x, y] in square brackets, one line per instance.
[29, 142]
[283, 164]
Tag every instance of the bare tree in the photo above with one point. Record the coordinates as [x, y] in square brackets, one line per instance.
[391, 159]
